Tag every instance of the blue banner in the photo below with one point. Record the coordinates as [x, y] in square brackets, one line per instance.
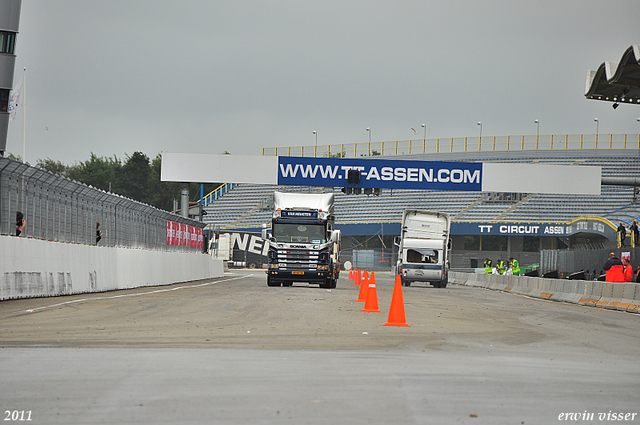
[380, 173]
[577, 226]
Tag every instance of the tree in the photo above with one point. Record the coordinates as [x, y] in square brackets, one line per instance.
[161, 194]
[133, 181]
[138, 178]
[100, 172]
[55, 167]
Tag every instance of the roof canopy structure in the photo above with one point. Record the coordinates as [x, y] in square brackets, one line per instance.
[616, 82]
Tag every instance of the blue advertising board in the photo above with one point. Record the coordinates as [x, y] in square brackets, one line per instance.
[380, 173]
[577, 226]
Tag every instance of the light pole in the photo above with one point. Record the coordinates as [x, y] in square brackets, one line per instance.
[369, 146]
[425, 131]
[597, 128]
[537, 128]
[480, 138]
[315, 152]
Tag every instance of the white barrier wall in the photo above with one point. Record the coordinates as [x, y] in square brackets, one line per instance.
[614, 296]
[38, 268]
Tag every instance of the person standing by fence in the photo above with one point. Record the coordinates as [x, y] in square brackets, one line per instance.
[98, 233]
[635, 234]
[622, 234]
[20, 223]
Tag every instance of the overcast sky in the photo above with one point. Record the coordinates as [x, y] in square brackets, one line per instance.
[118, 76]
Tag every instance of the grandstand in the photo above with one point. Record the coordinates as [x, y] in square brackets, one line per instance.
[247, 207]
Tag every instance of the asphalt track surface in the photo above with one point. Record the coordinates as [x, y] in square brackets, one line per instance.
[234, 351]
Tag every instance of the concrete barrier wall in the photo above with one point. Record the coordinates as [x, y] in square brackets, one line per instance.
[37, 268]
[615, 296]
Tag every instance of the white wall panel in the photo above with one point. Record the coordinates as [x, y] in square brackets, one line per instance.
[37, 268]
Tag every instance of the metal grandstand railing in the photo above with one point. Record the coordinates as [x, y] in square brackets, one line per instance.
[462, 144]
[215, 194]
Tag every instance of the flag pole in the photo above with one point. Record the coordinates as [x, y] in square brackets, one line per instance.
[24, 117]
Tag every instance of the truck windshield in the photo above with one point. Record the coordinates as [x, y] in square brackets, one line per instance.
[308, 233]
[419, 255]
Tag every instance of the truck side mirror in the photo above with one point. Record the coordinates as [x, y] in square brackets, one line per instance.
[396, 240]
[264, 231]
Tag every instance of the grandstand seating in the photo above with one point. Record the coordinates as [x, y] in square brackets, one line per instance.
[249, 206]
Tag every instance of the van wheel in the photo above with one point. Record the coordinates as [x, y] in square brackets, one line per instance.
[406, 283]
[440, 284]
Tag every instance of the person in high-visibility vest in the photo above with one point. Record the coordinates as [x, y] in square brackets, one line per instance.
[500, 267]
[515, 266]
[487, 266]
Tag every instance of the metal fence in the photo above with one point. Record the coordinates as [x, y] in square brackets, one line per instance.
[370, 259]
[58, 209]
[462, 144]
[590, 261]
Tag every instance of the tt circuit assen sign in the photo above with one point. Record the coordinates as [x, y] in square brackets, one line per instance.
[571, 228]
[381, 173]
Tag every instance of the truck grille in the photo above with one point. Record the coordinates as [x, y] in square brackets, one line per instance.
[297, 259]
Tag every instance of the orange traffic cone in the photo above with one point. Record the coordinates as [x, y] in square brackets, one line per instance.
[350, 274]
[372, 279]
[396, 311]
[358, 278]
[364, 287]
[371, 305]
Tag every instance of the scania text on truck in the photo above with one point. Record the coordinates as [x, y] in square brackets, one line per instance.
[304, 246]
[423, 248]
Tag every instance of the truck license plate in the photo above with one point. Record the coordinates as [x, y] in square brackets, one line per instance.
[294, 272]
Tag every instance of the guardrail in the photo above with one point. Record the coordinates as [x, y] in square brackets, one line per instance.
[613, 296]
[58, 209]
[462, 144]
